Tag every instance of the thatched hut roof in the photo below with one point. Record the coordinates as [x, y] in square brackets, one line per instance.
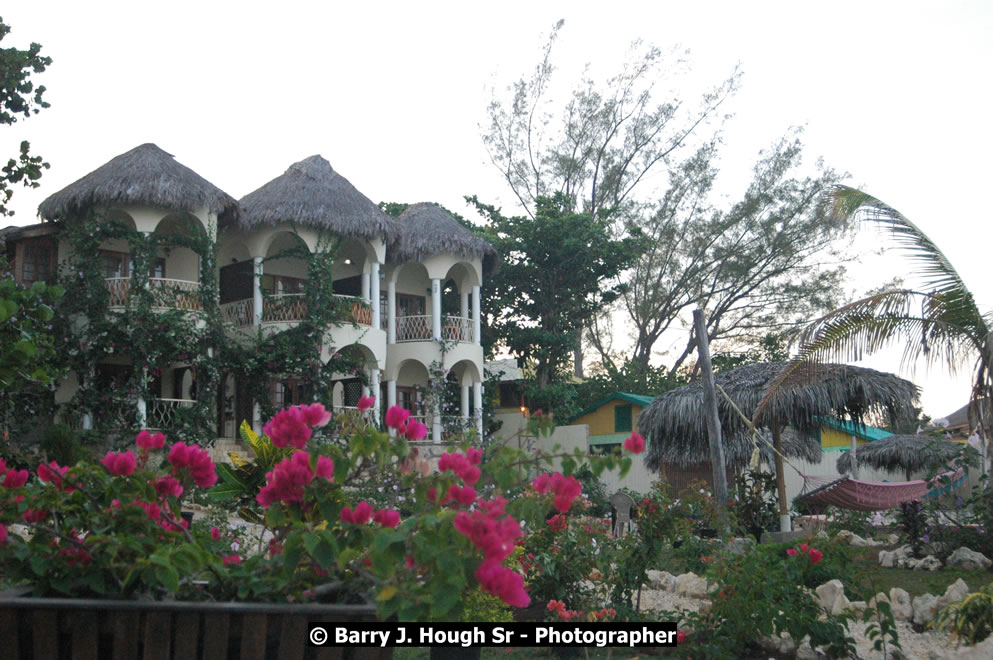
[426, 229]
[144, 175]
[677, 427]
[312, 193]
[901, 453]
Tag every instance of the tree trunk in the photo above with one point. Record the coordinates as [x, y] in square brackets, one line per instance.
[784, 511]
[717, 464]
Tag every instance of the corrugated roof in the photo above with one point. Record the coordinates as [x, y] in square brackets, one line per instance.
[638, 399]
[864, 431]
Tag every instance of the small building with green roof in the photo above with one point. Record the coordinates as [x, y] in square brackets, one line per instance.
[612, 419]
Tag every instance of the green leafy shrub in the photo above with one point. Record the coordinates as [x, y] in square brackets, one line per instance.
[969, 620]
[61, 444]
[755, 506]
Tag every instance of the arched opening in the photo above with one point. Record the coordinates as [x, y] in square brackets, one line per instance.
[351, 376]
[413, 303]
[413, 383]
[284, 279]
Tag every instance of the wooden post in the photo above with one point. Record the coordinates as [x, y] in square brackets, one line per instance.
[854, 456]
[784, 510]
[712, 415]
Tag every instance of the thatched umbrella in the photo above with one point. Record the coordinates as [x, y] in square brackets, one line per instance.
[311, 193]
[906, 453]
[144, 175]
[676, 423]
[426, 230]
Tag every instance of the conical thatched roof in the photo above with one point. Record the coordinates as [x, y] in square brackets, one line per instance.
[312, 193]
[901, 453]
[426, 229]
[144, 175]
[677, 426]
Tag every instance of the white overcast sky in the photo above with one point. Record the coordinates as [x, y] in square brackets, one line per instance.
[898, 94]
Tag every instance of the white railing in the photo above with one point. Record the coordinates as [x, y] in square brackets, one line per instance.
[456, 328]
[239, 313]
[361, 312]
[284, 308]
[162, 413]
[413, 328]
[119, 288]
[175, 294]
[167, 293]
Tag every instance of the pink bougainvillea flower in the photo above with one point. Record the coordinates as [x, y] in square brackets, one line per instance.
[197, 460]
[316, 415]
[359, 516]
[396, 416]
[365, 403]
[804, 546]
[415, 430]
[566, 489]
[288, 428]
[324, 468]
[148, 442]
[121, 464]
[14, 478]
[232, 559]
[815, 556]
[635, 443]
[168, 486]
[34, 515]
[3, 534]
[287, 480]
[54, 473]
[681, 637]
[542, 483]
[791, 551]
[504, 583]
[215, 534]
[387, 518]
[152, 510]
[474, 455]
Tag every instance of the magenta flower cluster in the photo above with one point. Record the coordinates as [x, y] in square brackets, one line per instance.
[399, 418]
[495, 533]
[288, 479]
[565, 489]
[293, 426]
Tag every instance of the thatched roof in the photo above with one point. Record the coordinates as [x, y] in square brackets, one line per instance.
[901, 453]
[677, 427]
[426, 229]
[144, 175]
[312, 193]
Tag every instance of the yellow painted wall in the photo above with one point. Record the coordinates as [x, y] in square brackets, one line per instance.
[601, 420]
[834, 438]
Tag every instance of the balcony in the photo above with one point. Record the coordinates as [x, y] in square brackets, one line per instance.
[164, 414]
[286, 308]
[418, 328]
[166, 293]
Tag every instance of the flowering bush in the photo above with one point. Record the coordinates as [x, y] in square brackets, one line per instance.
[114, 528]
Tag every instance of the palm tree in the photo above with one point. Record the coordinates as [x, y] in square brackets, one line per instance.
[939, 322]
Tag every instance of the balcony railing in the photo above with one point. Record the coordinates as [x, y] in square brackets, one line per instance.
[164, 413]
[361, 311]
[284, 308]
[239, 313]
[418, 328]
[167, 293]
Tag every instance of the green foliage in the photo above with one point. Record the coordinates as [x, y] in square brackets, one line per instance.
[61, 444]
[27, 346]
[650, 381]
[19, 98]
[556, 271]
[755, 504]
[970, 620]
[881, 625]
[593, 491]
[912, 519]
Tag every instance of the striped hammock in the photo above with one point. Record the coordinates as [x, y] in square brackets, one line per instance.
[848, 493]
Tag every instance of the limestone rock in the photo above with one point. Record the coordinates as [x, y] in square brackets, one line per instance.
[844, 535]
[892, 539]
[661, 580]
[956, 592]
[981, 651]
[968, 560]
[857, 605]
[691, 585]
[929, 563]
[900, 603]
[823, 535]
[828, 595]
[806, 652]
[859, 542]
[925, 607]
[740, 546]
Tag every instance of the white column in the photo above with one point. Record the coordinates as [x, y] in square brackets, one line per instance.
[142, 413]
[257, 291]
[256, 418]
[477, 339]
[436, 309]
[365, 285]
[436, 427]
[374, 386]
[477, 404]
[464, 304]
[465, 402]
[391, 393]
[391, 313]
[374, 276]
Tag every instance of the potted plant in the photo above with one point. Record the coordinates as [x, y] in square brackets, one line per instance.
[112, 531]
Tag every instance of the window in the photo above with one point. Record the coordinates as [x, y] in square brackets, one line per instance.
[510, 395]
[37, 261]
[407, 399]
[408, 305]
[289, 392]
[622, 418]
[282, 284]
[115, 264]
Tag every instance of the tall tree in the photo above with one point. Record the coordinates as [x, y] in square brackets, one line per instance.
[19, 98]
[756, 268]
[556, 269]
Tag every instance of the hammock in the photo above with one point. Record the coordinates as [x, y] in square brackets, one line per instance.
[848, 493]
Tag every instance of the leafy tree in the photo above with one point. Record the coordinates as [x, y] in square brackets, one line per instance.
[756, 268]
[939, 322]
[554, 274]
[19, 97]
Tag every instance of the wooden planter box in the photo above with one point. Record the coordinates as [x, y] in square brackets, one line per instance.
[80, 629]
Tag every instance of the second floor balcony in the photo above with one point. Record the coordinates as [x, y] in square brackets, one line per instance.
[166, 293]
[288, 308]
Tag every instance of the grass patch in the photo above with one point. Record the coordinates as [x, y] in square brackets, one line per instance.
[866, 571]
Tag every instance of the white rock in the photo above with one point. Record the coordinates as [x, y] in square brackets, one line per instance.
[956, 591]
[857, 605]
[841, 605]
[844, 535]
[929, 563]
[925, 607]
[692, 585]
[661, 580]
[888, 558]
[806, 652]
[968, 560]
[903, 608]
[823, 535]
[828, 594]
[740, 546]
[859, 542]
[892, 539]
[878, 598]
[981, 651]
